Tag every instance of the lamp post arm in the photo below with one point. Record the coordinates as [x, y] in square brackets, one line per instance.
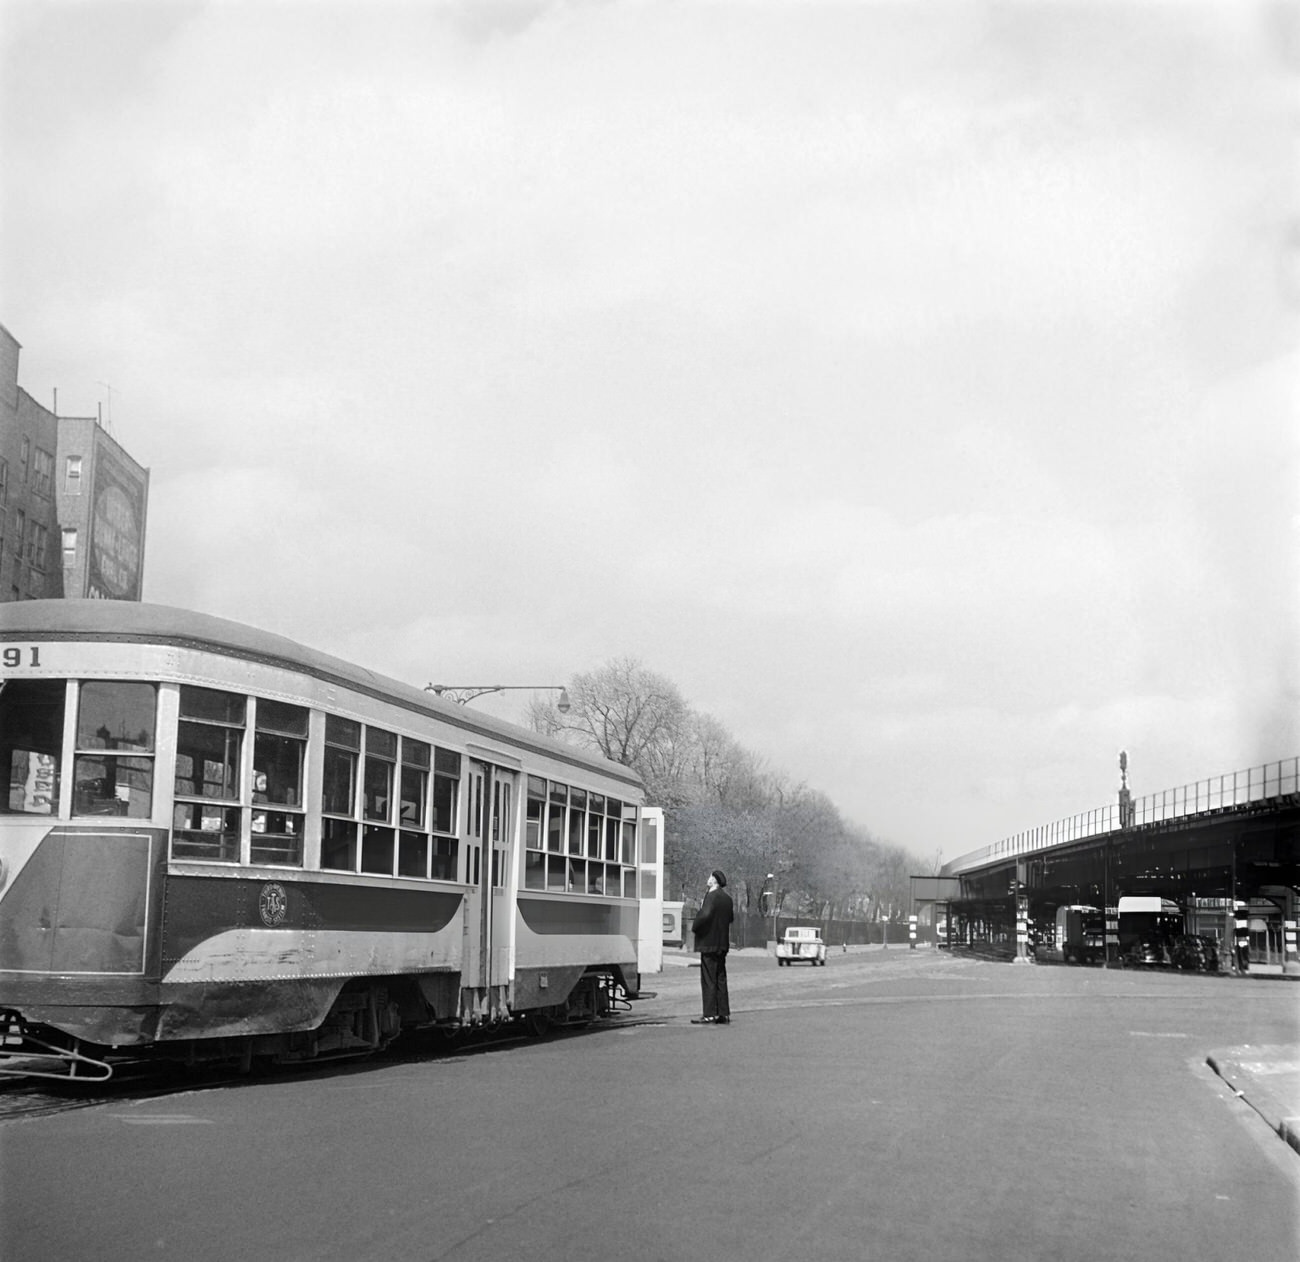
[462, 694]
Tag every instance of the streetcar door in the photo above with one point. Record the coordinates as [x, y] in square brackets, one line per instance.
[488, 923]
[500, 872]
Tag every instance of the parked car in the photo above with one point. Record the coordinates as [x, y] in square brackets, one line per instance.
[1147, 950]
[1195, 952]
[801, 943]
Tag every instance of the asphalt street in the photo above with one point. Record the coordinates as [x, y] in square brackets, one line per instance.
[893, 1105]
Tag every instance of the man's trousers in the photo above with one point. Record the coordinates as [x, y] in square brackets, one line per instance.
[713, 983]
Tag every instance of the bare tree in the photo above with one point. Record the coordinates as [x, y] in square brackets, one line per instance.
[723, 771]
[629, 714]
[725, 807]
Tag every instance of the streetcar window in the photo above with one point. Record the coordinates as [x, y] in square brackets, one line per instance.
[114, 767]
[416, 753]
[341, 744]
[414, 787]
[384, 800]
[276, 716]
[342, 732]
[533, 815]
[577, 820]
[413, 810]
[446, 788]
[558, 875]
[31, 743]
[444, 858]
[534, 871]
[595, 821]
[378, 768]
[278, 761]
[213, 706]
[207, 761]
[412, 854]
[209, 746]
[377, 850]
[613, 812]
[381, 757]
[279, 756]
[555, 819]
[593, 852]
[338, 846]
[377, 844]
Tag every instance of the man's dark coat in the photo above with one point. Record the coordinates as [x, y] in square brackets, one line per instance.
[712, 926]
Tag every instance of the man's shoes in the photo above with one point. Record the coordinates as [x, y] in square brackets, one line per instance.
[722, 1021]
[704, 1020]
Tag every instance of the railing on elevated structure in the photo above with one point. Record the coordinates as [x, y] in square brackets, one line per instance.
[1204, 797]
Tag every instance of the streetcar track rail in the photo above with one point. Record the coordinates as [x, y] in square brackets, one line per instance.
[26, 1099]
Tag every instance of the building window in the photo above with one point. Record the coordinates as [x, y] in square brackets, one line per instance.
[4, 483]
[37, 544]
[43, 472]
[20, 532]
[72, 475]
[69, 546]
[24, 459]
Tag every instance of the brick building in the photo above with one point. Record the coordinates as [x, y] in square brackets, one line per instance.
[73, 503]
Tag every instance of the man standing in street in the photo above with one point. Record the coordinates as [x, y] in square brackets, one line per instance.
[712, 930]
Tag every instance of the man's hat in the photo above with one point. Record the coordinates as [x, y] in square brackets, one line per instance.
[720, 876]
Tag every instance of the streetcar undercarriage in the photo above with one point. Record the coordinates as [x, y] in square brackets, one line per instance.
[364, 1019]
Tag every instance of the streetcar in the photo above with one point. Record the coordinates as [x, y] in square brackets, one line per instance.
[218, 845]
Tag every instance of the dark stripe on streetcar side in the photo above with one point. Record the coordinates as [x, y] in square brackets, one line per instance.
[200, 907]
[563, 916]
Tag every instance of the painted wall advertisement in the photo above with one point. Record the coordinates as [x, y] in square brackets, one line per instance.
[116, 532]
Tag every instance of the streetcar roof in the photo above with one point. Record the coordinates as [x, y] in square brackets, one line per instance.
[138, 623]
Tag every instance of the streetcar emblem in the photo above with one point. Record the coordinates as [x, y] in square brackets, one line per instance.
[273, 904]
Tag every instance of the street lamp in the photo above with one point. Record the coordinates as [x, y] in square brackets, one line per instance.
[771, 878]
[462, 694]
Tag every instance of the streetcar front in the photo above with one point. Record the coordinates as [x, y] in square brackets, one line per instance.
[80, 847]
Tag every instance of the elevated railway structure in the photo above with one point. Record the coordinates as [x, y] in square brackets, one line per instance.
[1217, 860]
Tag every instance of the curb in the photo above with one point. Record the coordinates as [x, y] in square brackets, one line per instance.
[1267, 1079]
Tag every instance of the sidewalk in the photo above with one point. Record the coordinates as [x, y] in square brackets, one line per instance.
[685, 957]
[1268, 1079]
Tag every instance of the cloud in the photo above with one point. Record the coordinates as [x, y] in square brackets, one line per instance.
[910, 384]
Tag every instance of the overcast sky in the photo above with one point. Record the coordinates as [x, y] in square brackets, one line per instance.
[915, 385]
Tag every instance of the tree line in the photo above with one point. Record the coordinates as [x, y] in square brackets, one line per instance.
[785, 847]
